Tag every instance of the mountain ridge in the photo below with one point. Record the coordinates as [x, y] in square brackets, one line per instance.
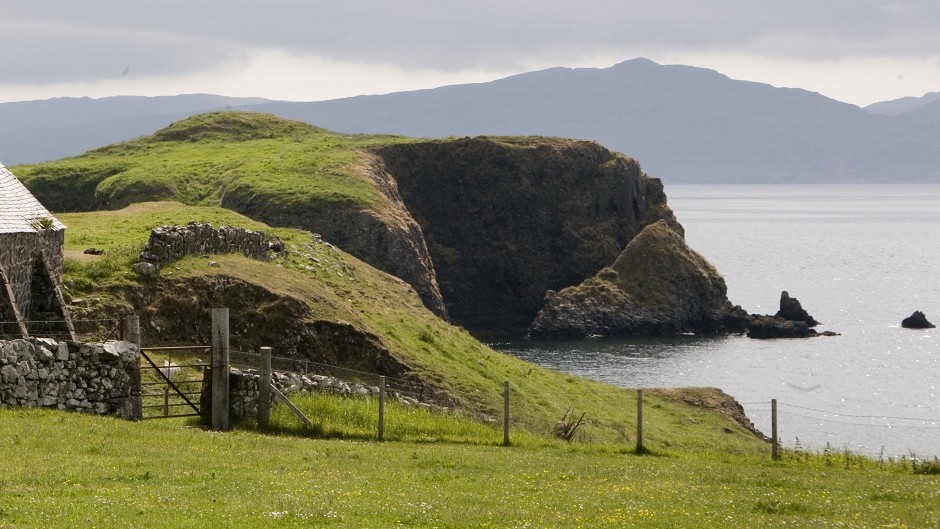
[686, 124]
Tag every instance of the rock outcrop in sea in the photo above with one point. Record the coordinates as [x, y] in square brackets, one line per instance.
[791, 321]
[917, 321]
[657, 286]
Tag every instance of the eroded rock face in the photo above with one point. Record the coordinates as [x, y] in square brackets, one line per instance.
[385, 236]
[658, 285]
[917, 321]
[508, 219]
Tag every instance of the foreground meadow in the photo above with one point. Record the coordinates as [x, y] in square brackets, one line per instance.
[73, 470]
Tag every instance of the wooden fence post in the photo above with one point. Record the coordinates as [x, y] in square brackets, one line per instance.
[774, 444]
[132, 329]
[639, 421]
[166, 401]
[506, 413]
[381, 408]
[220, 370]
[264, 389]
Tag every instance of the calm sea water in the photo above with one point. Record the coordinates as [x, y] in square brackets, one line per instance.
[860, 258]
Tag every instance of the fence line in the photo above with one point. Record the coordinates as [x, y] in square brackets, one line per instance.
[862, 416]
[399, 385]
[307, 367]
[806, 428]
[100, 329]
[418, 391]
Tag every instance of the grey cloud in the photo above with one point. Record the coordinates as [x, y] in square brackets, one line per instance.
[182, 36]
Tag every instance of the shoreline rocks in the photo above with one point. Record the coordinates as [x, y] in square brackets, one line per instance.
[791, 321]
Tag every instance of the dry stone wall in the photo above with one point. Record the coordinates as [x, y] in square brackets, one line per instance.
[244, 394]
[168, 243]
[18, 255]
[102, 378]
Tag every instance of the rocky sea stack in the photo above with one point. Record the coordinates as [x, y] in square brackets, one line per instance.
[791, 321]
[917, 321]
[657, 286]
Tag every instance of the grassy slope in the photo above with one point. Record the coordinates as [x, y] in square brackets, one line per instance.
[103, 472]
[198, 160]
[345, 289]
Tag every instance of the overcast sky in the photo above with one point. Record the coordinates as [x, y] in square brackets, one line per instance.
[857, 51]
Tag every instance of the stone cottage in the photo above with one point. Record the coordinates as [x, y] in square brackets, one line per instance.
[31, 245]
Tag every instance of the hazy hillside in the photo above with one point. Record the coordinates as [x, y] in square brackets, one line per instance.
[36, 131]
[683, 124]
[901, 106]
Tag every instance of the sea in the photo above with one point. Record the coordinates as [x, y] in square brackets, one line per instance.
[859, 258]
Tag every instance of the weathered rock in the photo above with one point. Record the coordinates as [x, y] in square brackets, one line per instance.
[790, 309]
[917, 321]
[506, 220]
[144, 268]
[657, 286]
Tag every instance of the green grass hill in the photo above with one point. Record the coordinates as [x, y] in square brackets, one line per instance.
[317, 301]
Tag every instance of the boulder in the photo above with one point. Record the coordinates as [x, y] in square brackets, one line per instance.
[790, 309]
[145, 268]
[917, 321]
[657, 286]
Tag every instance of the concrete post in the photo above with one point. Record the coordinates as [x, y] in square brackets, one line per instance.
[220, 370]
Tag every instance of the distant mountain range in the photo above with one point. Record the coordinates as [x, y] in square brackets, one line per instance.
[683, 124]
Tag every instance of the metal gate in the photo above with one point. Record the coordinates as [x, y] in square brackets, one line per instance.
[172, 380]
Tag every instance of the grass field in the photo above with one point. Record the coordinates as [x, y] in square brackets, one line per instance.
[74, 470]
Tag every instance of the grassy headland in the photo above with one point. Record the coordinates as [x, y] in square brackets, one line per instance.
[77, 470]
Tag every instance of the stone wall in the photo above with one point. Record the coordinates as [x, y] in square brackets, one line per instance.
[101, 378]
[168, 243]
[18, 255]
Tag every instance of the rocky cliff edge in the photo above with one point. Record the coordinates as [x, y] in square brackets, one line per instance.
[658, 285]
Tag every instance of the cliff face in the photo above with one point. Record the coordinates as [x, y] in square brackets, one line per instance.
[658, 285]
[505, 220]
[385, 237]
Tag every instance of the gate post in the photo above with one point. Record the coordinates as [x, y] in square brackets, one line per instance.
[264, 388]
[132, 328]
[220, 370]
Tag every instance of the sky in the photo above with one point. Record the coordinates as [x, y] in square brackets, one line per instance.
[856, 51]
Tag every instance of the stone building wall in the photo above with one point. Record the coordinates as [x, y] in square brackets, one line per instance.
[168, 243]
[102, 378]
[18, 256]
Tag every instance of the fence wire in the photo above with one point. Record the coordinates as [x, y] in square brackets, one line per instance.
[875, 436]
[299, 366]
[86, 330]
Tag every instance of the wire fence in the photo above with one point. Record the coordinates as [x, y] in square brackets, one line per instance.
[804, 428]
[86, 330]
[800, 428]
[306, 367]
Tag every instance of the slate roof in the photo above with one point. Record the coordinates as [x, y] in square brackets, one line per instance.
[19, 209]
